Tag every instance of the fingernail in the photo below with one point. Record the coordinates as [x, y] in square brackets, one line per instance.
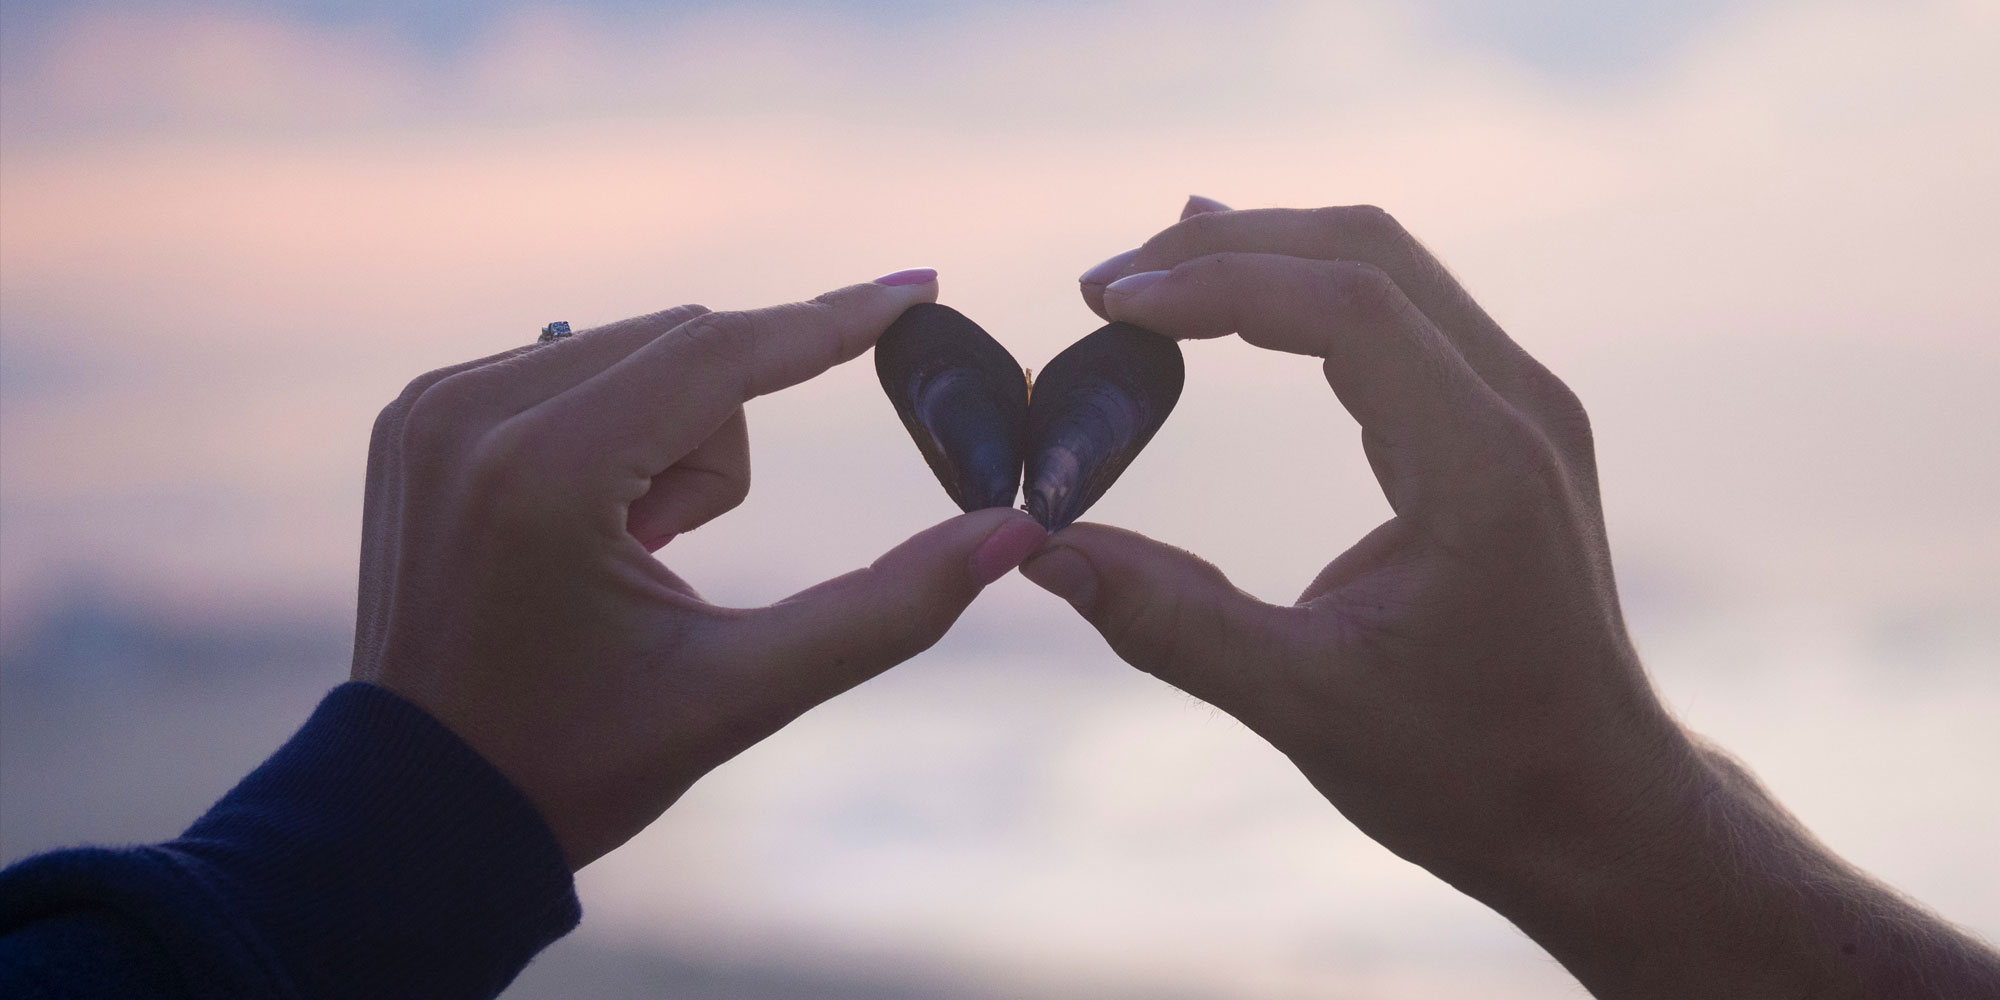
[1064, 572]
[659, 543]
[1198, 205]
[1005, 548]
[913, 276]
[1112, 267]
[1133, 284]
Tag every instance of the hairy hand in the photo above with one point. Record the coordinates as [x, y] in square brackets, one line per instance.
[1459, 682]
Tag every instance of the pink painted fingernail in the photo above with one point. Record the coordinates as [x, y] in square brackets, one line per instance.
[913, 276]
[1005, 548]
[1133, 284]
[1111, 267]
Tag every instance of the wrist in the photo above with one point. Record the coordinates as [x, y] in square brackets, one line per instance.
[1620, 904]
[1631, 819]
[1711, 889]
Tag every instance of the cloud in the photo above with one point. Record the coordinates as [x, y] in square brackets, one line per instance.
[1589, 42]
[233, 67]
[1797, 208]
[1764, 260]
[1575, 41]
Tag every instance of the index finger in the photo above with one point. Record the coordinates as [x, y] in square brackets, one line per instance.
[1344, 232]
[1402, 380]
[1367, 234]
[656, 405]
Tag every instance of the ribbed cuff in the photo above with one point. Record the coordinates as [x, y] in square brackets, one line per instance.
[109, 919]
[377, 855]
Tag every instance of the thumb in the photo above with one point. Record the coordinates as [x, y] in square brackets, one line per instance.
[828, 638]
[1166, 611]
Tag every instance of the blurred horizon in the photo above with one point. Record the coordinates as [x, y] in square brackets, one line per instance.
[1758, 239]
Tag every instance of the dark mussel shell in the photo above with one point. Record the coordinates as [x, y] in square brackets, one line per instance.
[962, 397]
[1095, 406]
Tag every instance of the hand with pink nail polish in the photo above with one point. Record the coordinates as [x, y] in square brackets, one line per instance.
[508, 586]
[1459, 682]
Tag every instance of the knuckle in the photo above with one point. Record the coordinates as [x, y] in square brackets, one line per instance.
[388, 424]
[1195, 230]
[670, 318]
[420, 385]
[1557, 415]
[389, 434]
[1363, 289]
[1368, 221]
[1190, 239]
[1377, 236]
[650, 324]
[1561, 398]
[709, 495]
[1523, 441]
[443, 413]
[718, 338]
[809, 337]
[840, 334]
[447, 397]
[654, 323]
[498, 466]
[1533, 480]
[1160, 630]
[393, 415]
[1143, 632]
[1173, 244]
[736, 489]
[1564, 412]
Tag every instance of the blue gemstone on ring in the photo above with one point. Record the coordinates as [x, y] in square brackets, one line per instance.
[554, 331]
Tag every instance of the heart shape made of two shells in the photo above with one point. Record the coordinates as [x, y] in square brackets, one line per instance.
[980, 424]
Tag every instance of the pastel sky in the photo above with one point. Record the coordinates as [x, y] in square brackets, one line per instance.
[1759, 239]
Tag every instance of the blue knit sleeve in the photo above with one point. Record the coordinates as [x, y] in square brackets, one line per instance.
[375, 854]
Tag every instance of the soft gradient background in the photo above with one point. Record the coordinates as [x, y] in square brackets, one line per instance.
[1761, 239]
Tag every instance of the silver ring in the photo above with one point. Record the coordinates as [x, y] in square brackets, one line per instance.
[554, 331]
